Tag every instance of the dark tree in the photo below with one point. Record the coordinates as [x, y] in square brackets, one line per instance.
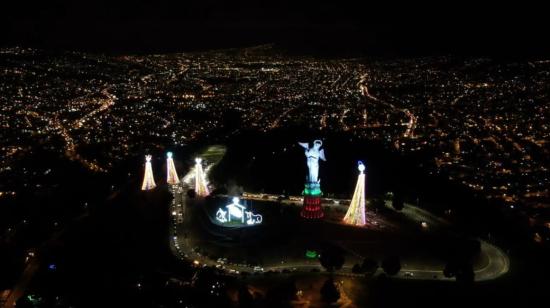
[369, 266]
[245, 298]
[210, 288]
[378, 203]
[332, 258]
[329, 291]
[191, 193]
[462, 253]
[469, 249]
[391, 265]
[356, 269]
[24, 302]
[289, 289]
[462, 270]
[281, 294]
[450, 269]
[465, 274]
[398, 202]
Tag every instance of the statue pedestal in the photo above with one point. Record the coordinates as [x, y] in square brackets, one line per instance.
[312, 202]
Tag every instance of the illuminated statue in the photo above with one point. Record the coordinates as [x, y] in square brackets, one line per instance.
[312, 208]
[356, 210]
[148, 180]
[171, 174]
[313, 155]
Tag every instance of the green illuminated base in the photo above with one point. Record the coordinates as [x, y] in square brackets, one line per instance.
[311, 254]
[312, 189]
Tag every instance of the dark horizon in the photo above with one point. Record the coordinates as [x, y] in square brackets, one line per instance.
[343, 28]
[103, 203]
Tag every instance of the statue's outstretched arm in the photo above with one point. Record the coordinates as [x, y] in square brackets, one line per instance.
[304, 145]
[322, 154]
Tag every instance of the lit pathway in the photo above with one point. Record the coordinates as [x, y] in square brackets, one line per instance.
[497, 264]
[25, 279]
[411, 125]
[497, 261]
[22, 284]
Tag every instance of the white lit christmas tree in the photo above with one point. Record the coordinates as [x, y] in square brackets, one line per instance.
[148, 180]
[171, 174]
[201, 187]
[356, 211]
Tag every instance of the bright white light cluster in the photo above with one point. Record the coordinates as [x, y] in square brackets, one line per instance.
[356, 210]
[313, 155]
[237, 213]
[201, 186]
[171, 174]
[148, 179]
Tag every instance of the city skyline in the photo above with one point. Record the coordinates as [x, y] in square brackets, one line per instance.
[368, 28]
[171, 154]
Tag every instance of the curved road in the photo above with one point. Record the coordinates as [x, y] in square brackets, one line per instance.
[497, 263]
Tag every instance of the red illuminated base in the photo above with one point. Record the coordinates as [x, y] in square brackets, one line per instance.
[312, 208]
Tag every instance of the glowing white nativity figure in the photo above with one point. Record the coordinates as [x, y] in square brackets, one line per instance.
[221, 216]
[313, 155]
[252, 219]
[236, 212]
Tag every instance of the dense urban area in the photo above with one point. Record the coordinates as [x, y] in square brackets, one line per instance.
[480, 123]
[485, 122]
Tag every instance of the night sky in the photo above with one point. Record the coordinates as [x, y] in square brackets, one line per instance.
[333, 27]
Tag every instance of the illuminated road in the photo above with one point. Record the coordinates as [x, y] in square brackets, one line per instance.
[411, 124]
[34, 264]
[496, 265]
[276, 122]
[104, 104]
[345, 127]
[22, 284]
[64, 130]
